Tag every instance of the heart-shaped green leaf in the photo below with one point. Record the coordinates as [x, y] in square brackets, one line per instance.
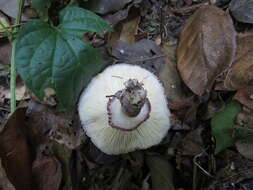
[223, 126]
[57, 57]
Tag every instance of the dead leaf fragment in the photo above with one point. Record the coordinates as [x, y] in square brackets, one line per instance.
[206, 48]
[129, 29]
[241, 73]
[15, 152]
[245, 96]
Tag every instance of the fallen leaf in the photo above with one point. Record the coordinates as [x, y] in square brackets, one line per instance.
[64, 155]
[61, 127]
[15, 152]
[9, 7]
[106, 6]
[242, 10]
[161, 172]
[171, 80]
[21, 93]
[240, 74]
[192, 144]
[223, 126]
[206, 48]
[144, 53]
[122, 179]
[244, 147]
[47, 172]
[129, 30]
[126, 29]
[245, 96]
[5, 184]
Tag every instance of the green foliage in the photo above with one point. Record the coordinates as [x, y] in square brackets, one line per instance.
[57, 57]
[41, 7]
[223, 126]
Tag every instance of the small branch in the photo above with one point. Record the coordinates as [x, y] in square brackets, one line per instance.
[13, 66]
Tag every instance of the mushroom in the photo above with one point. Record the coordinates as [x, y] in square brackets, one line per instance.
[123, 109]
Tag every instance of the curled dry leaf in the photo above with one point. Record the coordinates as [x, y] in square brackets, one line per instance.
[15, 152]
[241, 73]
[245, 96]
[206, 48]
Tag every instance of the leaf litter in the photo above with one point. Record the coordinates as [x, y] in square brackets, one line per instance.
[203, 63]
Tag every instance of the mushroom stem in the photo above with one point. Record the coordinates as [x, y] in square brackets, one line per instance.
[132, 98]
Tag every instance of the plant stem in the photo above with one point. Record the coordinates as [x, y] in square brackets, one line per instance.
[13, 66]
[13, 78]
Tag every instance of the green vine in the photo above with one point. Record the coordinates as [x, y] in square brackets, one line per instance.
[13, 66]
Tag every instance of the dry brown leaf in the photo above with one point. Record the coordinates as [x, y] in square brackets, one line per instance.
[21, 93]
[192, 144]
[15, 152]
[245, 96]
[47, 172]
[5, 184]
[241, 73]
[206, 48]
[129, 30]
[126, 29]
[171, 80]
[64, 128]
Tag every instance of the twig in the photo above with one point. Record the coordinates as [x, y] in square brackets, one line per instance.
[13, 66]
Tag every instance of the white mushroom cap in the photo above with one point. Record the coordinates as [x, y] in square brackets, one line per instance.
[97, 112]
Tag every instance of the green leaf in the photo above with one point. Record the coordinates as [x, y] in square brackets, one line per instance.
[75, 21]
[57, 57]
[41, 7]
[223, 126]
